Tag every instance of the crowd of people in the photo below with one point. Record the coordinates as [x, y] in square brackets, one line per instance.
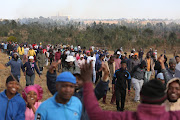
[78, 77]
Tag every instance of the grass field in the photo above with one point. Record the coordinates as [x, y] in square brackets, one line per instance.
[5, 72]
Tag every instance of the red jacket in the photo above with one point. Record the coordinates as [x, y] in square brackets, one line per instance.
[57, 56]
[144, 111]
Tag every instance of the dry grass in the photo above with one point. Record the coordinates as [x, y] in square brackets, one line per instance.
[5, 72]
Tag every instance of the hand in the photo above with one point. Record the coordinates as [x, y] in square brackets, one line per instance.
[53, 66]
[86, 72]
[161, 59]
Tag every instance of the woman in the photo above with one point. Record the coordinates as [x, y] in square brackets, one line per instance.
[30, 73]
[34, 94]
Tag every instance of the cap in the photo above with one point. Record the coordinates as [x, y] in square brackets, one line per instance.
[66, 77]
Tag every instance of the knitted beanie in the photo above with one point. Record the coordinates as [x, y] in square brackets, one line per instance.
[153, 92]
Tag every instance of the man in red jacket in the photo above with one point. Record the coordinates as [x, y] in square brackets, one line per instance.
[152, 96]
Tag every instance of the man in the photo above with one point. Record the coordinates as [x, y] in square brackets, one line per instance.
[138, 76]
[69, 66]
[58, 57]
[12, 104]
[178, 63]
[26, 49]
[98, 67]
[20, 50]
[100, 89]
[170, 72]
[93, 59]
[173, 94]
[63, 105]
[141, 53]
[117, 61]
[134, 62]
[149, 67]
[149, 109]
[41, 58]
[123, 77]
[16, 65]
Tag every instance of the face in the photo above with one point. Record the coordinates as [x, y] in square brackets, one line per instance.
[32, 95]
[117, 56]
[172, 66]
[70, 63]
[173, 92]
[148, 55]
[123, 66]
[15, 55]
[177, 59]
[111, 60]
[79, 82]
[31, 60]
[136, 57]
[65, 90]
[12, 87]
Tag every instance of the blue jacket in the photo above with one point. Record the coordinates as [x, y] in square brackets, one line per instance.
[30, 68]
[15, 66]
[13, 109]
[51, 110]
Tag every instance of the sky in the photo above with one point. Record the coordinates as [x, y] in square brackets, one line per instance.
[90, 9]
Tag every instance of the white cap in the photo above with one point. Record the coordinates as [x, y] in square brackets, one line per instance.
[70, 59]
[118, 53]
[81, 56]
[131, 54]
[31, 57]
[160, 76]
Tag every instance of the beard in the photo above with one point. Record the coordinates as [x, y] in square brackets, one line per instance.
[171, 100]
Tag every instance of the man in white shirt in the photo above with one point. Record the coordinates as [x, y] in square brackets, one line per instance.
[93, 59]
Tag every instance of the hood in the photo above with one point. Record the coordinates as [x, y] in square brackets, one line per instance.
[170, 81]
[15, 98]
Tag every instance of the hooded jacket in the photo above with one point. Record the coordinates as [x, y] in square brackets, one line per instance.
[12, 109]
[16, 65]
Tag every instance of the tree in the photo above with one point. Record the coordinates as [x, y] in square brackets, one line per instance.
[12, 39]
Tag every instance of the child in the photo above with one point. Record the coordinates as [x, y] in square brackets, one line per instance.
[30, 74]
[34, 94]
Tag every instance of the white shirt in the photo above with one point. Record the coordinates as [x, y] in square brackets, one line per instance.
[93, 59]
[26, 51]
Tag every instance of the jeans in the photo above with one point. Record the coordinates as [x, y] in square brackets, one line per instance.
[147, 76]
[137, 86]
[30, 80]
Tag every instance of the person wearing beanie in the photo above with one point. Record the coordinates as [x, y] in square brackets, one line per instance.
[120, 79]
[16, 65]
[138, 76]
[12, 105]
[173, 94]
[30, 67]
[34, 94]
[151, 107]
[170, 72]
[63, 105]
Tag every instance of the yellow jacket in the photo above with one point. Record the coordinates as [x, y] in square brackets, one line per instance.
[31, 53]
[20, 50]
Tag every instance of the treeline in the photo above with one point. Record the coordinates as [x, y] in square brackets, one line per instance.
[112, 36]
